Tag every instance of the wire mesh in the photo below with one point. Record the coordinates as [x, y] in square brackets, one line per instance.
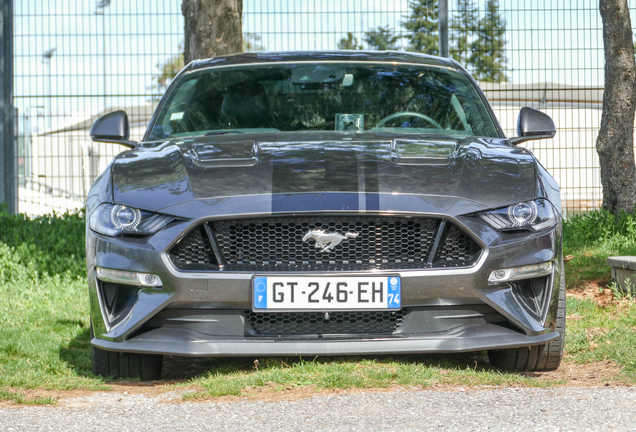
[75, 60]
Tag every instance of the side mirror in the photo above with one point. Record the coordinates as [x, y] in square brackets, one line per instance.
[112, 128]
[532, 125]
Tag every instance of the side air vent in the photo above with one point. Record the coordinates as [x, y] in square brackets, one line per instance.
[533, 295]
[457, 249]
[194, 252]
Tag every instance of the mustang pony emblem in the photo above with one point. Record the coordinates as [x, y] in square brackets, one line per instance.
[327, 241]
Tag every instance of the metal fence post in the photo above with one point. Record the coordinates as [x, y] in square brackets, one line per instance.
[8, 165]
[443, 28]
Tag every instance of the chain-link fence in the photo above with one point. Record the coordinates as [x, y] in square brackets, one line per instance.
[77, 59]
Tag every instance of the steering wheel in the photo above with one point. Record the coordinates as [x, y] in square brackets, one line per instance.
[408, 113]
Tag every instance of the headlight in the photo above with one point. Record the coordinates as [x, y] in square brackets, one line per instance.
[113, 220]
[535, 215]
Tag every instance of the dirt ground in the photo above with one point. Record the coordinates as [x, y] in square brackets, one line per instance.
[600, 374]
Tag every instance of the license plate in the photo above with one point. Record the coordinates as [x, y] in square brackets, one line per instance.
[326, 293]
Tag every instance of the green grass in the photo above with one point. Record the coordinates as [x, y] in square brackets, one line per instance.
[602, 333]
[593, 237]
[20, 399]
[233, 377]
[44, 324]
[44, 336]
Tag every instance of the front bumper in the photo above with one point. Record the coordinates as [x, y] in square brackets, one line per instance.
[422, 290]
[190, 343]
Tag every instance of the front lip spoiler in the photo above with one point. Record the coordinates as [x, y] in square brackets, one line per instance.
[194, 344]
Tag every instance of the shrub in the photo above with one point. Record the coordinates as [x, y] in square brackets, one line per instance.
[51, 244]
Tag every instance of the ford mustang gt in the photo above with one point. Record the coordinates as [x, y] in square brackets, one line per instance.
[285, 204]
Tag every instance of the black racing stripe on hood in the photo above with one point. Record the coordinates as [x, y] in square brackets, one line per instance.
[341, 172]
[326, 168]
[297, 170]
[293, 203]
[371, 179]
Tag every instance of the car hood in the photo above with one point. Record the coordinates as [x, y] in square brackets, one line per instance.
[352, 174]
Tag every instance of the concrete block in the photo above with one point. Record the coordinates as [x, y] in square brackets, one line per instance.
[624, 272]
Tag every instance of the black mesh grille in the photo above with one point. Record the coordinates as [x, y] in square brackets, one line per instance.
[277, 244]
[194, 252]
[457, 249]
[340, 323]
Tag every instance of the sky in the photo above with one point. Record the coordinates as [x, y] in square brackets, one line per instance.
[108, 60]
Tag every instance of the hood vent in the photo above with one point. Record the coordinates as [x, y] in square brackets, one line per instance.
[227, 154]
[417, 152]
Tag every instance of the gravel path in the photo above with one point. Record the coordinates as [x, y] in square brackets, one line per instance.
[560, 409]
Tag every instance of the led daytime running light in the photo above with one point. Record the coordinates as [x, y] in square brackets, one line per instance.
[128, 278]
[517, 273]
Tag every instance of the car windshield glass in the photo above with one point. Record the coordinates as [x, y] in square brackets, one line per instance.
[324, 96]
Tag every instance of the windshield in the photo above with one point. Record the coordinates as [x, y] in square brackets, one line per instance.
[323, 96]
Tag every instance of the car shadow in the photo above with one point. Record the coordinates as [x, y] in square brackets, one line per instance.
[176, 368]
[77, 354]
[77, 351]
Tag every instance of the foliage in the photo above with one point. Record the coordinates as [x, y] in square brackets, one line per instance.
[167, 71]
[381, 39]
[600, 226]
[488, 54]
[591, 238]
[463, 27]
[422, 26]
[44, 336]
[50, 244]
[349, 43]
[251, 42]
[173, 65]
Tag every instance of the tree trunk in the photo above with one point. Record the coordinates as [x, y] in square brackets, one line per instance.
[212, 28]
[615, 142]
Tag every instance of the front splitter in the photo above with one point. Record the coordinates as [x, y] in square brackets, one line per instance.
[189, 343]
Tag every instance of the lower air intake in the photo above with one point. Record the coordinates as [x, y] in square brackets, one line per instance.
[312, 323]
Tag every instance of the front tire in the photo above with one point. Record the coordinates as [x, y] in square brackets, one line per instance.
[116, 365]
[545, 357]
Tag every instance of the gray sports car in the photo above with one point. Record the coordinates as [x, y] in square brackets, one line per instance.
[325, 203]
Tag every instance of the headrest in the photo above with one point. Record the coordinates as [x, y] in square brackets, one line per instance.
[246, 105]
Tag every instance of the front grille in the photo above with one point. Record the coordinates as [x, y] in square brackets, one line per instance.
[276, 244]
[313, 323]
[370, 242]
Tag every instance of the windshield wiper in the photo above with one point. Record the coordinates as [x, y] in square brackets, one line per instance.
[222, 133]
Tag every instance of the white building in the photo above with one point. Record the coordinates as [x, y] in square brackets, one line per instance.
[64, 162]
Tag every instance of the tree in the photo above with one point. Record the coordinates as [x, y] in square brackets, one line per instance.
[615, 141]
[488, 54]
[251, 42]
[167, 71]
[349, 43]
[212, 28]
[381, 39]
[423, 26]
[463, 26]
[171, 67]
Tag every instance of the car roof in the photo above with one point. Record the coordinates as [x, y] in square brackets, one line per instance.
[321, 56]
